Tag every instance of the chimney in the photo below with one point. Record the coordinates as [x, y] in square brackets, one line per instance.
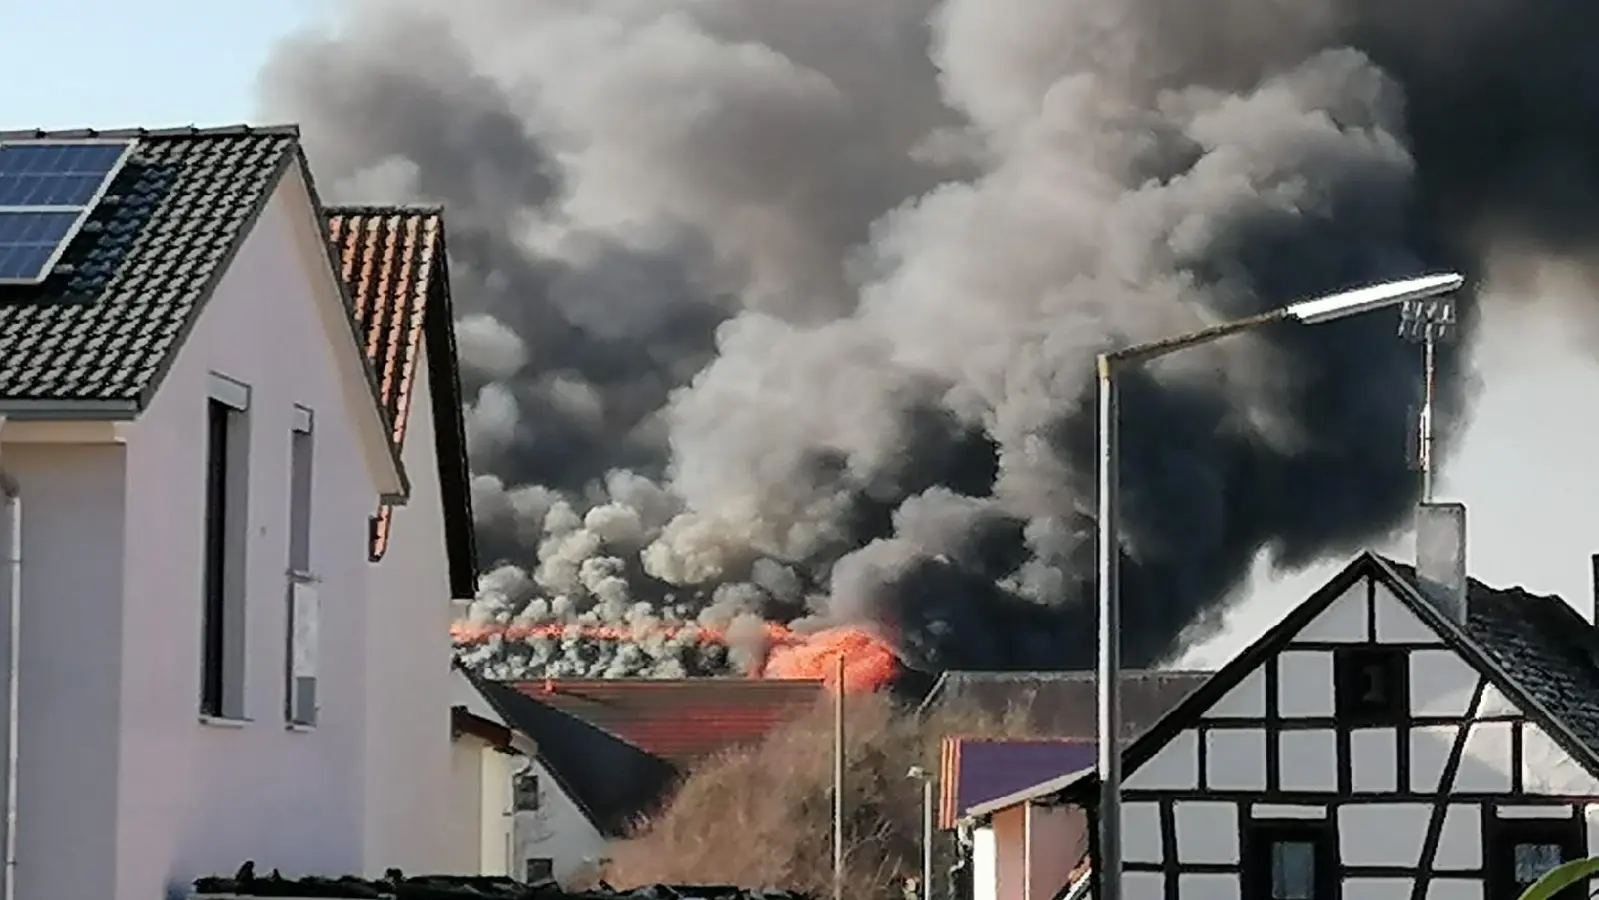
[1593, 562]
[1441, 556]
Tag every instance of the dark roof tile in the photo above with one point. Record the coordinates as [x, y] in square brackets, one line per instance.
[1062, 704]
[140, 270]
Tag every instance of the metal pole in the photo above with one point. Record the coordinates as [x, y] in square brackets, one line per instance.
[927, 838]
[1109, 674]
[838, 783]
[1429, 363]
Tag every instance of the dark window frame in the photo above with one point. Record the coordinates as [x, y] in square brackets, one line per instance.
[523, 786]
[543, 863]
[1499, 852]
[213, 653]
[1353, 670]
[1261, 835]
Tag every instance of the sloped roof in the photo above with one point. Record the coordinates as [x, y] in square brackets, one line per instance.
[618, 747]
[978, 770]
[681, 721]
[95, 339]
[395, 268]
[141, 268]
[1535, 649]
[1062, 704]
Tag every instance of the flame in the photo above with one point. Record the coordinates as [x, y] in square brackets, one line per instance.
[869, 662]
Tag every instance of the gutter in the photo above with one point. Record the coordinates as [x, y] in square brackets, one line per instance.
[12, 497]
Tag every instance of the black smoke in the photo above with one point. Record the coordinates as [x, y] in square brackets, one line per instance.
[779, 309]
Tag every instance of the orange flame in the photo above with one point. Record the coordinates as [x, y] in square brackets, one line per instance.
[869, 662]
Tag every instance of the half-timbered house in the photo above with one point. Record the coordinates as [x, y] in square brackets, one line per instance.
[1398, 736]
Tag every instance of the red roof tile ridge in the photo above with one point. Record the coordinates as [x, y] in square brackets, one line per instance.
[182, 131]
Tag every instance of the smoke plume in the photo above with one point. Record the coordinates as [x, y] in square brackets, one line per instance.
[781, 311]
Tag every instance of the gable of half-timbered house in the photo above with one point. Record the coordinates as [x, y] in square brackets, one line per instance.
[1375, 747]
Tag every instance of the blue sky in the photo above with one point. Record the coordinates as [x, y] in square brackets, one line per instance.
[154, 62]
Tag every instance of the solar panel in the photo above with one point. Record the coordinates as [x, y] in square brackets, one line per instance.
[47, 190]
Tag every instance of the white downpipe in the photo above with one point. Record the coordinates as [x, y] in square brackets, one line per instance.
[13, 563]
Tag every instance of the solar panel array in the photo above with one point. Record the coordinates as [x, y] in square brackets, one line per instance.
[47, 191]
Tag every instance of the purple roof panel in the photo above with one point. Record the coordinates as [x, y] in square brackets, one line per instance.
[988, 770]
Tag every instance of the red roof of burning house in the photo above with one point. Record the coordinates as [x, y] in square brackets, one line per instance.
[680, 721]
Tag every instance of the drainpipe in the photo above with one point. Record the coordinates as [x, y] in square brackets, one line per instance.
[13, 564]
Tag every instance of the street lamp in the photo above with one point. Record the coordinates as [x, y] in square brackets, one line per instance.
[917, 773]
[1308, 312]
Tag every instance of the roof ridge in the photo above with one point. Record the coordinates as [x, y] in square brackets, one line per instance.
[181, 131]
[381, 209]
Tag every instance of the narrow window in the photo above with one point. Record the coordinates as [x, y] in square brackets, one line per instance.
[527, 793]
[1372, 686]
[226, 496]
[1287, 860]
[1520, 851]
[304, 602]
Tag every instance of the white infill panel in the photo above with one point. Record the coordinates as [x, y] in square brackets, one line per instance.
[1485, 766]
[1235, 759]
[1305, 684]
[1143, 886]
[1141, 832]
[1374, 760]
[1377, 888]
[1247, 699]
[1590, 813]
[1174, 768]
[1549, 811]
[1429, 753]
[1207, 833]
[1396, 624]
[1455, 889]
[1441, 683]
[1460, 842]
[1207, 887]
[1382, 834]
[1307, 760]
[1344, 621]
[1547, 769]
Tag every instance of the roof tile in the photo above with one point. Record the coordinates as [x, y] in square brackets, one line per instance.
[140, 269]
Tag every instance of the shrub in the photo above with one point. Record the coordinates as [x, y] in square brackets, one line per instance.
[761, 817]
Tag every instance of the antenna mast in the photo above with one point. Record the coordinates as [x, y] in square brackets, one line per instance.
[1429, 323]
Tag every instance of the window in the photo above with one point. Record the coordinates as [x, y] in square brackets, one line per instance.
[1520, 851]
[304, 601]
[540, 868]
[1288, 860]
[527, 793]
[1372, 685]
[226, 498]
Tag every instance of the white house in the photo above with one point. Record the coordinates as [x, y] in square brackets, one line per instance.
[488, 760]
[199, 449]
[395, 267]
[1402, 734]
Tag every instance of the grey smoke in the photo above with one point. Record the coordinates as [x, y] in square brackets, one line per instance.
[787, 310]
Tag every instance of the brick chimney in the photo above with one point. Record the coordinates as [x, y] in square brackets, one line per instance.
[1441, 556]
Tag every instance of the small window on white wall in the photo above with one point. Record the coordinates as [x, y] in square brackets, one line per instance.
[227, 458]
[304, 601]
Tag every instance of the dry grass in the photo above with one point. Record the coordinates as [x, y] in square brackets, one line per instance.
[762, 817]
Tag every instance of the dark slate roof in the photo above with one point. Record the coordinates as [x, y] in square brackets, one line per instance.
[619, 747]
[616, 784]
[395, 269]
[1542, 645]
[977, 770]
[1062, 704]
[1535, 649]
[142, 268]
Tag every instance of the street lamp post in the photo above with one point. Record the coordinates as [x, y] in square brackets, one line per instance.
[1307, 312]
[917, 773]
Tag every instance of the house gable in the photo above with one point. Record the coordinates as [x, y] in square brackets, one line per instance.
[394, 263]
[1268, 720]
[1477, 758]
